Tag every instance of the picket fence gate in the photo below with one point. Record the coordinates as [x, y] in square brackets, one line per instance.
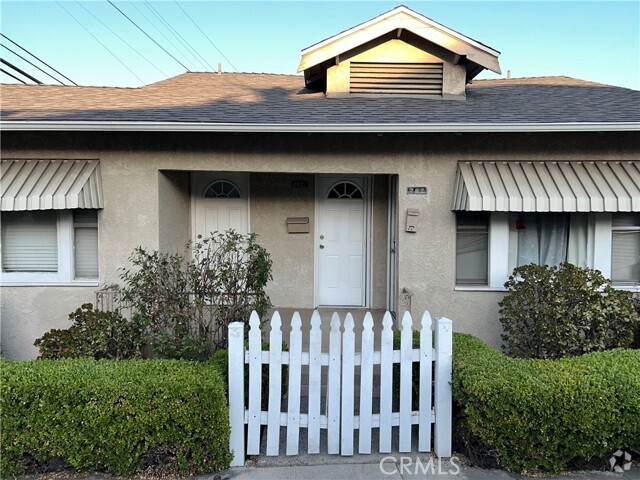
[434, 404]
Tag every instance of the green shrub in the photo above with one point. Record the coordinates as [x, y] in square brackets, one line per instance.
[545, 414]
[96, 334]
[189, 298]
[104, 415]
[636, 333]
[554, 312]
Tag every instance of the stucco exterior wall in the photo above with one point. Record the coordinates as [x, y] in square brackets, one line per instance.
[29, 312]
[136, 198]
[273, 199]
[131, 205]
[174, 211]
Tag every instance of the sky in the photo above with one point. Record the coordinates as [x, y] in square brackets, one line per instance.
[592, 40]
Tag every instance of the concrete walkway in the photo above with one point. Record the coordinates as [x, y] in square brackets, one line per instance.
[394, 471]
[387, 469]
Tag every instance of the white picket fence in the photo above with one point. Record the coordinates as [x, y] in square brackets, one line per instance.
[341, 362]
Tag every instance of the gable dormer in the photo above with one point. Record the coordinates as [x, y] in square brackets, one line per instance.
[397, 53]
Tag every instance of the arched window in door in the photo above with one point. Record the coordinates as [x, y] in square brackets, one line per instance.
[345, 190]
[222, 189]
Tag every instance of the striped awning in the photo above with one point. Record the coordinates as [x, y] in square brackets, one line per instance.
[50, 184]
[552, 186]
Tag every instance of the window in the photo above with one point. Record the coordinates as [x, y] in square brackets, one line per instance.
[345, 190]
[29, 241]
[490, 245]
[548, 239]
[625, 248]
[472, 248]
[222, 189]
[540, 238]
[49, 246]
[85, 235]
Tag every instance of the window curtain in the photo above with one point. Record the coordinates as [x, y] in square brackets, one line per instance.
[543, 239]
[578, 233]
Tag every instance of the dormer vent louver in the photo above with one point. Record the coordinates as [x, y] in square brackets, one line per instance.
[396, 78]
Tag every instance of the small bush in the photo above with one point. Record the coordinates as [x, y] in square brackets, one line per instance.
[189, 298]
[636, 333]
[554, 312]
[112, 416]
[541, 415]
[96, 334]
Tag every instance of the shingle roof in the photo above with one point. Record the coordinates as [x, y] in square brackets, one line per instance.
[250, 98]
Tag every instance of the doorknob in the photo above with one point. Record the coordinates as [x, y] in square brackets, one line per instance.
[321, 246]
[199, 236]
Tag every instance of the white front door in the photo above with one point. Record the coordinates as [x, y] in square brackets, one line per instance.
[220, 202]
[341, 242]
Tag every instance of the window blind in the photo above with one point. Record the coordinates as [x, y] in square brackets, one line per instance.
[29, 241]
[472, 247]
[85, 233]
[625, 248]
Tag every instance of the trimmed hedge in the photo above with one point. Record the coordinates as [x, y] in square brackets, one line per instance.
[541, 415]
[106, 415]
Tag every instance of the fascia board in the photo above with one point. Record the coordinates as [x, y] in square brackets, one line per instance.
[317, 128]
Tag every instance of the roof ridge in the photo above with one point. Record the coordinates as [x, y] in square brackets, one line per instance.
[244, 73]
[541, 77]
[44, 85]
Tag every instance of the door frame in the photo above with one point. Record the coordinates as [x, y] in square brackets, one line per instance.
[213, 176]
[367, 181]
[392, 244]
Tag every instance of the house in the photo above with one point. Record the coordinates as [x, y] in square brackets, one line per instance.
[385, 177]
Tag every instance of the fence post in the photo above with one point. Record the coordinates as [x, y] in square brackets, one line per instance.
[442, 387]
[236, 392]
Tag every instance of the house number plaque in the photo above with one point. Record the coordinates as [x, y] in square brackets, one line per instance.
[416, 190]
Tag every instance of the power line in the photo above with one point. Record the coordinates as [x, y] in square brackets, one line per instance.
[123, 40]
[136, 25]
[41, 61]
[21, 72]
[180, 38]
[206, 36]
[103, 45]
[32, 64]
[173, 45]
[13, 76]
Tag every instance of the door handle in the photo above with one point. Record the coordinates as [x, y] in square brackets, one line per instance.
[199, 236]
[321, 246]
